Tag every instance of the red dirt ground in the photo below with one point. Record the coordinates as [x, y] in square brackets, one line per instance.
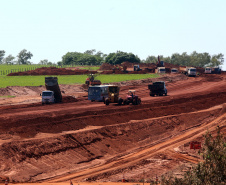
[90, 142]
[52, 71]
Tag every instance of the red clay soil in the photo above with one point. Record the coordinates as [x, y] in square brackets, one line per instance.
[89, 141]
[53, 71]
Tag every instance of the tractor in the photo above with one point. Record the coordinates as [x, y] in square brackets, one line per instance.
[132, 98]
[90, 80]
[113, 95]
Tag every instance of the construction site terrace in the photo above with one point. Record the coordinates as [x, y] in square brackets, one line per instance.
[88, 142]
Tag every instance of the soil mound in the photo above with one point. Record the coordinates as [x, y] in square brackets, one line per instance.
[106, 66]
[52, 71]
[68, 99]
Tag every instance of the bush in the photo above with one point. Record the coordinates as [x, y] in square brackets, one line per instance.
[210, 172]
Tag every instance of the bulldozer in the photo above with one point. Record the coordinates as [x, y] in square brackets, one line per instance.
[91, 80]
[113, 95]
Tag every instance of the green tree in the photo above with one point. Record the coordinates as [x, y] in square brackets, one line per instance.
[216, 60]
[24, 56]
[2, 54]
[9, 59]
[212, 170]
[89, 57]
[151, 59]
[120, 57]
[45, 62]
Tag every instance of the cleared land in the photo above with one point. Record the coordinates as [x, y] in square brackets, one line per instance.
[88, 142]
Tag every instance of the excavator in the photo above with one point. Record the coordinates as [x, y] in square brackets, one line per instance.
[160, 63]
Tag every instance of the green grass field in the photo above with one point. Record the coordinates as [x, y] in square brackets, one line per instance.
[69, 79]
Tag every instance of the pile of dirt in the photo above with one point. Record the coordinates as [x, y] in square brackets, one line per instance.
[52, 71]
[69, 99]
[106, 66]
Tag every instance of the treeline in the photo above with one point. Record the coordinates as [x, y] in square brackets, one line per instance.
[93, 57]
[22, 58]
[194, 59]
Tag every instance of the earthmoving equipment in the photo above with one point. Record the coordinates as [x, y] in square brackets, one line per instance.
[132, 98]
[137, 68]
[208, 70]
[53, 94]
[189, 71]
[174, 70]
[91, 80]
[160, 70]
[113, 95]
[160, 63]
[98, 93]
[157, 88]
[216, 70]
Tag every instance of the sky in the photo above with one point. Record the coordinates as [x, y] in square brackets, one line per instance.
[51, 28]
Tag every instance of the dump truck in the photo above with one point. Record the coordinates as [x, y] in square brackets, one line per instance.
[113, 95]
[208, 70]
[52, 93]
[157, 88]
[160, 70]
[216, 70]
[174, 70]
[189, 71]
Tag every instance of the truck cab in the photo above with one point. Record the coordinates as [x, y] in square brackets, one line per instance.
[47, 97]
[191, 71]
[208, 70]
[174, 70]
[161, 70]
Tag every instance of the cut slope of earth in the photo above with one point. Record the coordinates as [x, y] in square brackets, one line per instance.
[87, 141]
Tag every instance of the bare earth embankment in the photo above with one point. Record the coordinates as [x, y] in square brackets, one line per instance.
[87, 141]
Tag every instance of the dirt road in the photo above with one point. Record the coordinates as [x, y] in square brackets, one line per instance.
[88, 141]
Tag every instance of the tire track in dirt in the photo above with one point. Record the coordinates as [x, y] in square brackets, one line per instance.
[144, 154]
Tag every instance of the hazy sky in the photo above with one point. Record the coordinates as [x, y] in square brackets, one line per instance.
[51, 28]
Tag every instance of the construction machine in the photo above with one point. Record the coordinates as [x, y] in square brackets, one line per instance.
[189, 71]
[91, 80]
[158, 89]
[160, 63]
[132, 98]
[137, 68]
[52, 93]
[113, 95]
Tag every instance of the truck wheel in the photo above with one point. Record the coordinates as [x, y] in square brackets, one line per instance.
[120, 100]
[138, 101]
[126, 102]
[107, 102]
[152, 95]
[161, 94]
